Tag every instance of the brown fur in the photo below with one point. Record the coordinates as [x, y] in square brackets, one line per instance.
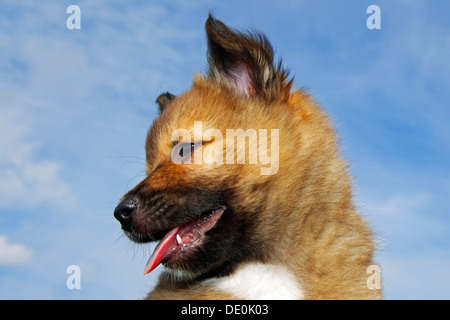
[303, 216]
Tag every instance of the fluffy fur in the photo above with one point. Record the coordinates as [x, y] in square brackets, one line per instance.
[300, 219]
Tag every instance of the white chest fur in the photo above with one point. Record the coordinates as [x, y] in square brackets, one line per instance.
[257, 281]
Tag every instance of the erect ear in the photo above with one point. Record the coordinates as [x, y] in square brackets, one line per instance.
[164, 100]
[245, 62]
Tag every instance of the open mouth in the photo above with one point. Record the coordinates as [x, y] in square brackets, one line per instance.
[183, 238]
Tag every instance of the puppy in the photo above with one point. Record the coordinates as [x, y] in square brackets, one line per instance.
[246, 190]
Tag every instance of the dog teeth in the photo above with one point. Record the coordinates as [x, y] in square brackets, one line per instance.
[179, 239]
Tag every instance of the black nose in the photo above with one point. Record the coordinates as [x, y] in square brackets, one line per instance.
[124, 212]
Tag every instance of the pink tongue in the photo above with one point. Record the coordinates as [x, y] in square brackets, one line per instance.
[162, 250]
[188, 233]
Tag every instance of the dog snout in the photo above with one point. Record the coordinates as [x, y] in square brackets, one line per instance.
[124, 212]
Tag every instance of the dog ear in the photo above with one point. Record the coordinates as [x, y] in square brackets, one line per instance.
[244, 61]
[164, 100]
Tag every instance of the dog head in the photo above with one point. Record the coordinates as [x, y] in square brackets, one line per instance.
[207, 199]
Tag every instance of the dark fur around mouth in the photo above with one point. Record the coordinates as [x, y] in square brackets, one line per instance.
[159, 234]
[160, 211]
[222, 247]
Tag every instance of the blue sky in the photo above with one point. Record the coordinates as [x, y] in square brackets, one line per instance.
[75, 106]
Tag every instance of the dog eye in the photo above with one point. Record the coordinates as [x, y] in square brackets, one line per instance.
[181, 152]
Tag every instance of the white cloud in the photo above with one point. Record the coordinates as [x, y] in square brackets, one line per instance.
[416, 276]
[406, 219]
[25, 179]
[13, 254]
[412, 245]
[57, 84]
